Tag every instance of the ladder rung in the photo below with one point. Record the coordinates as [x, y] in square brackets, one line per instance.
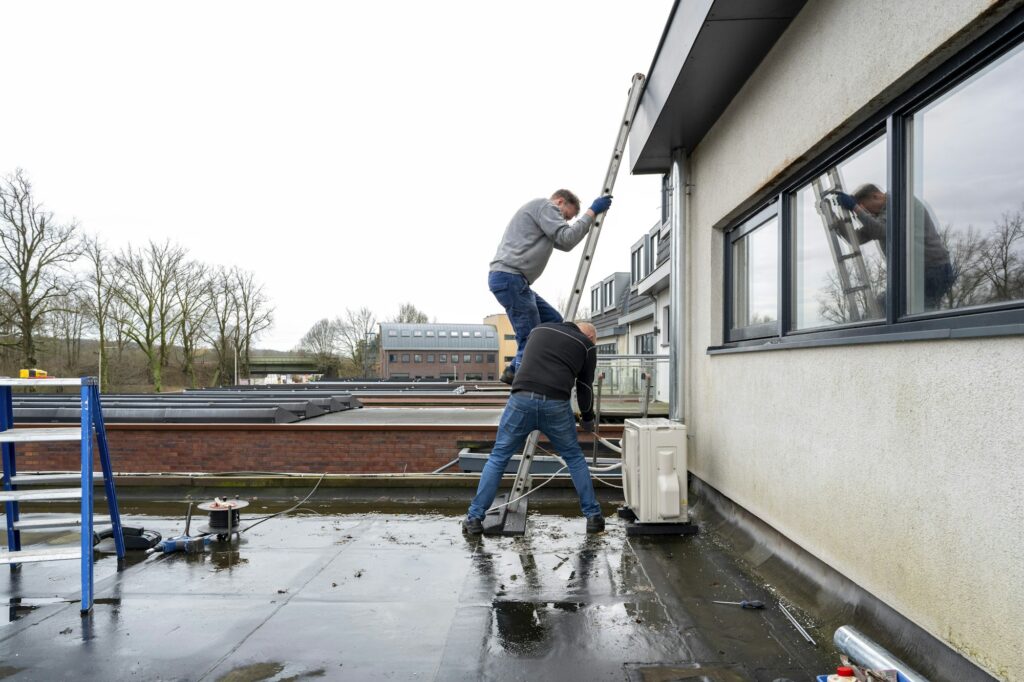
[40, 494]
[42, 522]
[862, 287]
[41, 435]
[47, 554]
[35, 479]
[847, 256]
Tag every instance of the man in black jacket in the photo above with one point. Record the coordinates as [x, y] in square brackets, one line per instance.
[558, 356]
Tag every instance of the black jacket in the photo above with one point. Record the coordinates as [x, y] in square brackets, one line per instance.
[559, 356]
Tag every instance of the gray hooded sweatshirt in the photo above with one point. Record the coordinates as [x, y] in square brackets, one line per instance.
[534, 231]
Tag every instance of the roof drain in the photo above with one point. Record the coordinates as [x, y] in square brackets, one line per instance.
[869, 654]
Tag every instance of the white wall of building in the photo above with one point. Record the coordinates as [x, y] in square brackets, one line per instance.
[900, 465]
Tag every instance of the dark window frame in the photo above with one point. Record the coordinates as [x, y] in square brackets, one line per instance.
[997, 319]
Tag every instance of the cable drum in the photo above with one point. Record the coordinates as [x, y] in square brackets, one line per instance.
[225, 517]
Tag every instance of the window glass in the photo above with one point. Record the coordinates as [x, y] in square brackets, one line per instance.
[510, 337]
[477, 335]
[465, 334]
[490, 357]
[479, 357]
[839, 227]
[965, 207]
[442, 358]
[755, 265]
[644, 344]
[455, 358]
[490, 335]
[430, 357]
[405, 332]
[430, 333]
[392, 357]
[392, 332]
[595, 300]
[405, 357]
[466, 358]
[417, 358]
[606, 349]
[442, 333]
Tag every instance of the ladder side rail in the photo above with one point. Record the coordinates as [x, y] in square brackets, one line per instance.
[108, 472]
[11, 509]
[870, 303]
[520, 485]
[829, 220]
[87, 527]
[590, 246]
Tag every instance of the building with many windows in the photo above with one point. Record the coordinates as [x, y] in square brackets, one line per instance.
[461, 352]
[844, 187]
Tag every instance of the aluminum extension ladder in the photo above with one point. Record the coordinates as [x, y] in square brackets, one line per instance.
[12, 493]
[509, 518]
[854, 282]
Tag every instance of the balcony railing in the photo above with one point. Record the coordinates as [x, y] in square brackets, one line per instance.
[624, 377]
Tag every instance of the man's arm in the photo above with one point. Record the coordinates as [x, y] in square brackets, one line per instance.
[564, 235]
[585, 386]
[873, 228]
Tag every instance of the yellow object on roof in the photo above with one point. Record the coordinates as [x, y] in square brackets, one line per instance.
[33, 374]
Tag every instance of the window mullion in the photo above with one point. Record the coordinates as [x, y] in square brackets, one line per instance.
[895, 229]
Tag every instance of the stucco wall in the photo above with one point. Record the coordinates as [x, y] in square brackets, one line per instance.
[900, 465]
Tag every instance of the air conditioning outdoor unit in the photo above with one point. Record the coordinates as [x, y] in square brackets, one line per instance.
[654, 478]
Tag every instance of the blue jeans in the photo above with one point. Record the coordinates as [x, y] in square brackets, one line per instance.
[524, 308]
[524, 414]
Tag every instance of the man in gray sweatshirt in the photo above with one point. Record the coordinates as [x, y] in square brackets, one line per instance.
[536, 229]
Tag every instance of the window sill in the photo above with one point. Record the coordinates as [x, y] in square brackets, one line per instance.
[1001, 323]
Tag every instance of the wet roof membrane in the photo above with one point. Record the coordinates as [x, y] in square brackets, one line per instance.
[402, 596]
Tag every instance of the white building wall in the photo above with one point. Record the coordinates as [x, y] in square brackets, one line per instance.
[900, 465]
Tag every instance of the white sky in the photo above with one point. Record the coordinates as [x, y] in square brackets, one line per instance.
[349, 153]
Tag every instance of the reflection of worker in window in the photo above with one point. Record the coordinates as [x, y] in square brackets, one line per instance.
[868, 203]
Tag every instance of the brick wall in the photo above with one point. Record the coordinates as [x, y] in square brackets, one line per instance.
[272, 448]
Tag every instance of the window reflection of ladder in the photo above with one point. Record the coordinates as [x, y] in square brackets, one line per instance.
[854, 282]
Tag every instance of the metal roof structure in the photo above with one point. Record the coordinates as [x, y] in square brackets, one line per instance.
[400, 336]
[708, 51]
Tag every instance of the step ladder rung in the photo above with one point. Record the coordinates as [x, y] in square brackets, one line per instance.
[41, 554]
[36, 479]
[40, 494]
[41, 435]
[43, 522]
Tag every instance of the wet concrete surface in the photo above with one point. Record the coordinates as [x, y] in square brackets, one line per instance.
[404, 597]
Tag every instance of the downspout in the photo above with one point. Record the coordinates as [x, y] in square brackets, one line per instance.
[677, 281]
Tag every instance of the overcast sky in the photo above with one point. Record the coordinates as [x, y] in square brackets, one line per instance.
[349, 154]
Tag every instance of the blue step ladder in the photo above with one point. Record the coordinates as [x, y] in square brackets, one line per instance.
[19, 488]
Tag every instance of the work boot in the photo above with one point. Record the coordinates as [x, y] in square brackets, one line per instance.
[474, 526]
[595, 524]
[507, 375]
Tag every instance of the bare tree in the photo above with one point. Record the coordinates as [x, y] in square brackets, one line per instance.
[67, 321]
[321, 343]
[147, 292]
[410, 314]
[100, 293]
[254, 313]
[194, 302]
[34, 253]
[222, 322]
[358, 338]
[1002, 260]
[965, 249]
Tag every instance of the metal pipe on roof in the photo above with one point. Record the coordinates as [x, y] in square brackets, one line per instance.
[870, 654]
[677, 282]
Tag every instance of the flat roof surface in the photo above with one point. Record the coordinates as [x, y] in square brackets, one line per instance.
[388, 416]
[357, 596]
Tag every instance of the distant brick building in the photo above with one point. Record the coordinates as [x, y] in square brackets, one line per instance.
[463, 352]
[506, 337]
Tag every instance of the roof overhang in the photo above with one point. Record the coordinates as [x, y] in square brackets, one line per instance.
[708, 50]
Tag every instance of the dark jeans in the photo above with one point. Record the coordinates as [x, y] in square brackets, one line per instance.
[938, 280]
[523, 414]
[525, 309]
